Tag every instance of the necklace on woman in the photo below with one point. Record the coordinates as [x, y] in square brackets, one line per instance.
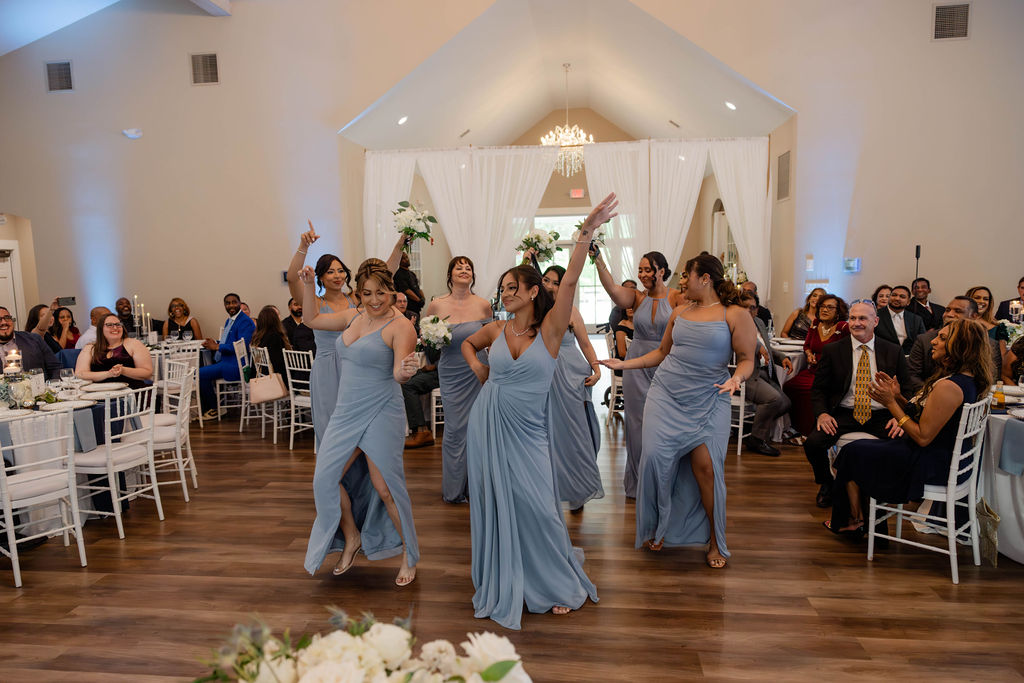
[713, 303]
[518, 334]
[825, 331]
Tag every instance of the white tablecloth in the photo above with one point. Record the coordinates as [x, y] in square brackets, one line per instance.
[1004, 492]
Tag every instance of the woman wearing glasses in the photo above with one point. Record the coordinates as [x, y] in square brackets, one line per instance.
[114, 357]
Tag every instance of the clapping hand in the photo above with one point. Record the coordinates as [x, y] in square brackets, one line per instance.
[884, 388]
[307, 238]
[116, 370]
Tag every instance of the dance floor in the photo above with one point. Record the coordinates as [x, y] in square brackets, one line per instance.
[795, 602]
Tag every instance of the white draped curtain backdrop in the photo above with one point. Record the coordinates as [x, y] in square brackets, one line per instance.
[387, 181]
[677, 172]
[622, 168]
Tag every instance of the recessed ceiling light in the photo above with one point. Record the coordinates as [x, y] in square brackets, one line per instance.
[402, 120]
[731, 106]
[682, 158]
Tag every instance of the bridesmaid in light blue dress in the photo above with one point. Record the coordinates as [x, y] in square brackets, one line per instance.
[574, 433]
[521, 549]
[651, 311]
[362, 448]
[465, 313]
[681, 493]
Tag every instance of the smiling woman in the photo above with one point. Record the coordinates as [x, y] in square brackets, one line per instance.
[114, 357]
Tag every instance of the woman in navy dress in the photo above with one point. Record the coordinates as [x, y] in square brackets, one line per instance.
[651, 311]
[896, 470]
[521, 548]
[465, 313]
[361, 446]
[681, 494]
[574, 433]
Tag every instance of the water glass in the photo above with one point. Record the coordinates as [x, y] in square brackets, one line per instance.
[66, 375]
[186, 335]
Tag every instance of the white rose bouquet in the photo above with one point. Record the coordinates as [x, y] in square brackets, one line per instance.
[542, 243]
[435, 334]
[596, 240]
[413, 223]
[362, 650]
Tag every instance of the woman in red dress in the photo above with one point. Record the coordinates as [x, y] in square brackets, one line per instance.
[829, 326]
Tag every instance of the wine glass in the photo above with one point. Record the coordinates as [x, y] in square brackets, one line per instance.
[186, 335]
[66, 374]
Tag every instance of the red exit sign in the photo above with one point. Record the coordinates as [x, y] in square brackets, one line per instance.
[576, 193]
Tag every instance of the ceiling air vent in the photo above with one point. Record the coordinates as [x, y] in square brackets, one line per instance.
[782, 190]
[951, 21]
[58, 76]
[204, 69]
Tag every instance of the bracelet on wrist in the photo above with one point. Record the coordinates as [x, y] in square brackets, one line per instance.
[902, 421]
[300, 251]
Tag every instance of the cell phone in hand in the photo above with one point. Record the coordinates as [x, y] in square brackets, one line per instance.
[66, 301]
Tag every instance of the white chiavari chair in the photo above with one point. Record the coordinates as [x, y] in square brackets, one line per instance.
[298, 365]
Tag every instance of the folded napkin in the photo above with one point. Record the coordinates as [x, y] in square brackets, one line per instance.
[1011, 456]
[1010, 390]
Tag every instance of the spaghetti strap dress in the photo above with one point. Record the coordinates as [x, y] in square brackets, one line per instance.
[459, 388]
[647, 336]
[369, 424]
[574, 433]
[324, 377]
[521, 550]
[685, 410]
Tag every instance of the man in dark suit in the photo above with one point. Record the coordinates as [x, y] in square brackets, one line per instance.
[1003, 312]
[929, 313]
[920, 364]
[763, 314]
[762, 388]
[897, 325]
[839, 395]
[225, 366]
[299, 335]
[35, 354]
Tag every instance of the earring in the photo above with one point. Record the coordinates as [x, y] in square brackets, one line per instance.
[533, 297]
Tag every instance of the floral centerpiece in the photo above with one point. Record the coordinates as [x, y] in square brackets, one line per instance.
[435, 334]
[362, 650]
[1013, 330]
[413, 223]
[542, 242]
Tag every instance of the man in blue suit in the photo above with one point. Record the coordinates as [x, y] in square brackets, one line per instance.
[237, 326]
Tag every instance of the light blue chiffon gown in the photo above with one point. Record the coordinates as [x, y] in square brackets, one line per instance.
[521, 549]
[459, 389]
[635, 383]
[684, 410]
[372, 423]
[324, 377]
[574, 433]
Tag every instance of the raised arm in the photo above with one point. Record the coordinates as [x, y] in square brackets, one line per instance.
[295, 265]
[479, 340]
[396, 255]
[313, 318]
[557, 319]
[623, 297]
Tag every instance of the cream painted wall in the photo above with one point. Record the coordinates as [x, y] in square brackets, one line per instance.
[902, 140]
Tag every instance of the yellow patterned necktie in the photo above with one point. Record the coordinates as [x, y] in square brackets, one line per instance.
[861, 401]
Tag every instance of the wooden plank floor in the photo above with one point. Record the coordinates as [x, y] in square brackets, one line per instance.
[795, 602]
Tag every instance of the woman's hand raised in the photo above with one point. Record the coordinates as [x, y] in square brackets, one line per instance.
[307, 238]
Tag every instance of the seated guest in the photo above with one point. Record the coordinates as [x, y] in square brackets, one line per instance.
[929, 313]
[245, 309]
[35, 354]
[617, 313]
[839, 394]
[123, 310]
[762, 313]
[421, 384]
[996, 329]
[829, 327]
[896, 471]
[225, 366]
[270, 335]
[920, 364]
[1003, 313]
[96, 317]
[762, 387]
[896, 324]
[881, 297]
[63, 328]
[40, 320]
[179, 319]
[1013, 363]
[115, 357]
[799, 321]
[299, 335]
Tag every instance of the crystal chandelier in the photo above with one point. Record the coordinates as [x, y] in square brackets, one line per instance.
[569, 140]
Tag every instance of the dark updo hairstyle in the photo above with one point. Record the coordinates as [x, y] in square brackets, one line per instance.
[375, 269]
[33, 317]
[451, 266]
[842, 310]
[558, 269]
[527, 277]
[706, 264]
[323, 264]
[658, 260]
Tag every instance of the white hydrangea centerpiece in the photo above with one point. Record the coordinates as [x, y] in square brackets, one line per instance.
[435, 334]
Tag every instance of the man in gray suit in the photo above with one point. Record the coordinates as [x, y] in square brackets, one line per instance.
[763, 388]
[920, 364]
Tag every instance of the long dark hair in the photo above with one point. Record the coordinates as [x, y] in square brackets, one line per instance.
[967, 351]
[558, 269]
[55, 328]
[101, 345]
[528, 277]
[451, 266]
[658, 260]
[706, 264]
[267, 322]
[33, 317]
[323, 264]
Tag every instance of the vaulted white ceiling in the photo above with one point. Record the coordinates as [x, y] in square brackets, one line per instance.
[503, 72]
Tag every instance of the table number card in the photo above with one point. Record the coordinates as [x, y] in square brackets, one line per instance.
[37, 382]
[151, 339]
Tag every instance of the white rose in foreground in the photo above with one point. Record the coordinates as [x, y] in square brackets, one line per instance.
[391, 642]
[335, 647]
[440, 655]
[282, 670]
[484, 649]
[418, 676]
[334, 672]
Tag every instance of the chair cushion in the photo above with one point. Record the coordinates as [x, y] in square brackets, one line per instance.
[123, 457]
[163, 435]
[160, 420]
[32, 484]
[302, 401]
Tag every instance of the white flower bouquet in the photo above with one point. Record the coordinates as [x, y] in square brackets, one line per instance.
[413, 223]
[362, 650]
[596, 239]
[435, 334]
[542, 242]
